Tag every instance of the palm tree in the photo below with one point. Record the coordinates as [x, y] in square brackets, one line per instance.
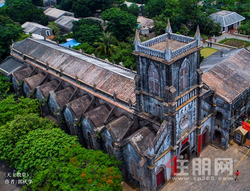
[106, 44]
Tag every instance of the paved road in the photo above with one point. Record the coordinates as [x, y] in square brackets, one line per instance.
[241, 161]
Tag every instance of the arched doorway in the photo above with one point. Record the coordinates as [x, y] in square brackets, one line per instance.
[217, 136]
[204, 137]
[185, 151]
[160, 180]
[91, 145]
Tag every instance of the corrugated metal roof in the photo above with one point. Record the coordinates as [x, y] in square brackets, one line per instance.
[146, 22]
[107, 77]
[10, 65]
[66, 21]
[230, 77]
[56, 13]
[30, 27]
[226, 18]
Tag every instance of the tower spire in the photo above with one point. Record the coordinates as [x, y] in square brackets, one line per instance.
[198, 35]
[168, 29]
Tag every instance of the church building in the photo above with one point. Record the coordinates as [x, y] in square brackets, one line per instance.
[169, 109]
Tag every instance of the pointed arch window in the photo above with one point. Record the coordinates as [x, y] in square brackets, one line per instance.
[153, 80]
[134, 169]
[110, 151]
[91, 145]
[184, 76]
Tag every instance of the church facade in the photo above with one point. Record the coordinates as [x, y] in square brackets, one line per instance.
[167, 110]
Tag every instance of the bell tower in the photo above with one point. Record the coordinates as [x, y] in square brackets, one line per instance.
[167, 79]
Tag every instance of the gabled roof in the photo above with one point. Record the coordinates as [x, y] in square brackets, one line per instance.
[146, 22]
[34, 81]
[226, 18]
[230, 77]
[129, 4]
[66, 21]
[56, 13]
[98, 115]
[107, 77]
[119, 127]
[22, 73]
[62, 96]
[140, 140]
[30, 27]
[79, 105]
[46, 88]
[10, 65]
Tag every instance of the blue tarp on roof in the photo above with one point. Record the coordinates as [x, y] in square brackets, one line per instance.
[71, 43]
[1, 5]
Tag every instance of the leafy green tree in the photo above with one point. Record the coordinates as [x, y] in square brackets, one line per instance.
[184, 30]
[37, 2]
[92, 170]
[4, 86]
[87, 30]
[33, 15]
[106, 44]
[81, 9]
[154, 7]
[123, 53]
[134, 10]
[34, 151]
[85, 47]
[22, 11]
[54, 26]
[14, 131]
[120, 23]
[9, 31]
[11, 107]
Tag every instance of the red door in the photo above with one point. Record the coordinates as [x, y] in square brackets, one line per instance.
[204, 138]
[159, 178]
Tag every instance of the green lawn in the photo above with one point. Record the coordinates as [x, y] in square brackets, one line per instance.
[208, 51]
[235, 42]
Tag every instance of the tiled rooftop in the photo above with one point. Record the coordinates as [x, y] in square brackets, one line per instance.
[107, 77]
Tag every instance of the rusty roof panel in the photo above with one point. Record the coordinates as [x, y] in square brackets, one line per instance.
[107, 77]
[22, 73]
[34, 80]
[141, 139]
[98, 115]
[62, 96]
[230, 76]
[46, 88]
[79, 105]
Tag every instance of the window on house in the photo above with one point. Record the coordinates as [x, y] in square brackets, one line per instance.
[91, 145]
[134, 169]
[232, 113]
[110, 151]
[184, 76]
[219, 116]
[47, 33]
[153, 80]
[243, 103]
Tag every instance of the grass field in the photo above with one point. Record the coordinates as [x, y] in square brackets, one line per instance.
[235, 42]
[208, 51]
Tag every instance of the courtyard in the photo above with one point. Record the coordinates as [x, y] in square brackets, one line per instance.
[240, 156]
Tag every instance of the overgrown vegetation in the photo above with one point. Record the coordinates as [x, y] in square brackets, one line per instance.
[38, 147]
[235, 42]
